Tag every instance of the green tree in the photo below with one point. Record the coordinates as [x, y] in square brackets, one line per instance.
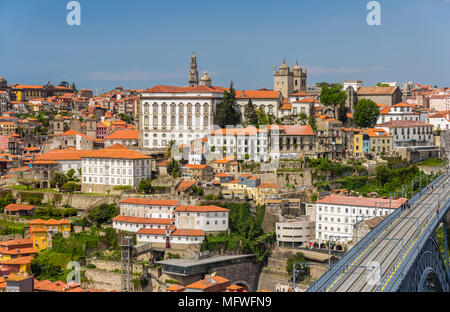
[383, 174]
[251, 117]
[303, 119]
[64, 84]
[27, 182]
[71, 187]
[298, 257]
[173, 167]
[70, 174]
[366, 113]
[170, 145]
[342, 112]
[226, 113]
[103, 213]
[145, 186]
[58, 179]
[127, 118]
[312, 122]
[380, 84]
[333, 96]
[263, 118]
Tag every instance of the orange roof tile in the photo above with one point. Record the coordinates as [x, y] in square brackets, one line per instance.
[361, 201]
[17, 207]
[140, 220]
[184, 185]
[187, 232]
[210, 208]
[123, 134]
[152, 231]
[152, 202]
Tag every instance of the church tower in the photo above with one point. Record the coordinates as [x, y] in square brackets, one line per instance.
[91, 126]
[283, 79]
[58, 125]
[206, 80]
[299, 78]
[193, 73]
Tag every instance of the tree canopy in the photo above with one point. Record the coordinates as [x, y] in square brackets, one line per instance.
[251, 117]
[226, 114]
[366, 113]
[333, 96]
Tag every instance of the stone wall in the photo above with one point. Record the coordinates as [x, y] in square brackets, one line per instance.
[246, 273]
[11, 237]
[82, 202]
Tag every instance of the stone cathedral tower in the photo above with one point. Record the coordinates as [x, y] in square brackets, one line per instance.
[289, 81]
[193, 73]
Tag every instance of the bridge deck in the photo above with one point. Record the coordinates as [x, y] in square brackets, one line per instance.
[391, 246]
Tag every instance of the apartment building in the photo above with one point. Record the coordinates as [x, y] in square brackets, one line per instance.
[407, 133]
[246, 143]
[336, 215]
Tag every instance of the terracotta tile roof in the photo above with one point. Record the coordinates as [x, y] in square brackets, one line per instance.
[299, 93]
[123, 134]
[36, 221]
[403, 124]
[190, 166]
[116, 146]
[175, 287]
[403, 104]
[17, 207]
[376, 90]
[18, 251]
[45, 162]
[147, 201]
[72, 132]
[376, 133]
[225, 160]
[17, 261]
[361, 201]
[162, 163]
[238, 131]
[16, 242]
[257, 94]
[293, 129]
[187, 232]
[118, 152]
[210, 208]
[204, 284]
[184, 185]
[152, 231]
[173, 89]
[140, 220]
[223, 175]
[307, 100]
[267, 185]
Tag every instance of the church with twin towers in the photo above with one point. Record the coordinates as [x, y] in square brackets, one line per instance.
[187, 113]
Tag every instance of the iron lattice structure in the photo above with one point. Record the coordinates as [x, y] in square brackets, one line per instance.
[126, 245]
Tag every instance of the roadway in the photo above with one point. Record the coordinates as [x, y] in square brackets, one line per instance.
[391, 246]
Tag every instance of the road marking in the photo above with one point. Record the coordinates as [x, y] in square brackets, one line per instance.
[364, 251]
[423, 229]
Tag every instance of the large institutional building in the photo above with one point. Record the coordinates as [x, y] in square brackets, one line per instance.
[187, 113]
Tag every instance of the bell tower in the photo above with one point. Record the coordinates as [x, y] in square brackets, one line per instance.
[193, 73]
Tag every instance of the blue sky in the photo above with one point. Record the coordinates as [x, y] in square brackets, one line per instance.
[142, 43]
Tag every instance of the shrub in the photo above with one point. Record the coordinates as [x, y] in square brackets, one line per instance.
[71, 187]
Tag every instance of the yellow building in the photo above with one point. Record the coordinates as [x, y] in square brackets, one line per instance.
[265, 191]
[16, 248]
[358, 143]
[251, 188]
[40, 230]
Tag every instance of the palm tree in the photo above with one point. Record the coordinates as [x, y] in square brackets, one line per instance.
[170, 146]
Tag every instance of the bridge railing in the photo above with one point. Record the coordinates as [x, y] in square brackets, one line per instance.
[407, 264]
[328, 277]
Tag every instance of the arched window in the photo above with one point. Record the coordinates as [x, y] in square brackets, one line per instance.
[164, 120]
[205, 121]
[146, 120]
[164, 108]
[155, 120]
[181, 121]
[146, 108]
[197, 108]
[205, 108]
[189, 108]
[155, 108]
[181, 108]
[189, 121]
[173, 108]
[172, 121]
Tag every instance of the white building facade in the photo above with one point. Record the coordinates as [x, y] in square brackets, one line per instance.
[337, 215]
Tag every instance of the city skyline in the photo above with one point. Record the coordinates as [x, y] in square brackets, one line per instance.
[140, 46]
